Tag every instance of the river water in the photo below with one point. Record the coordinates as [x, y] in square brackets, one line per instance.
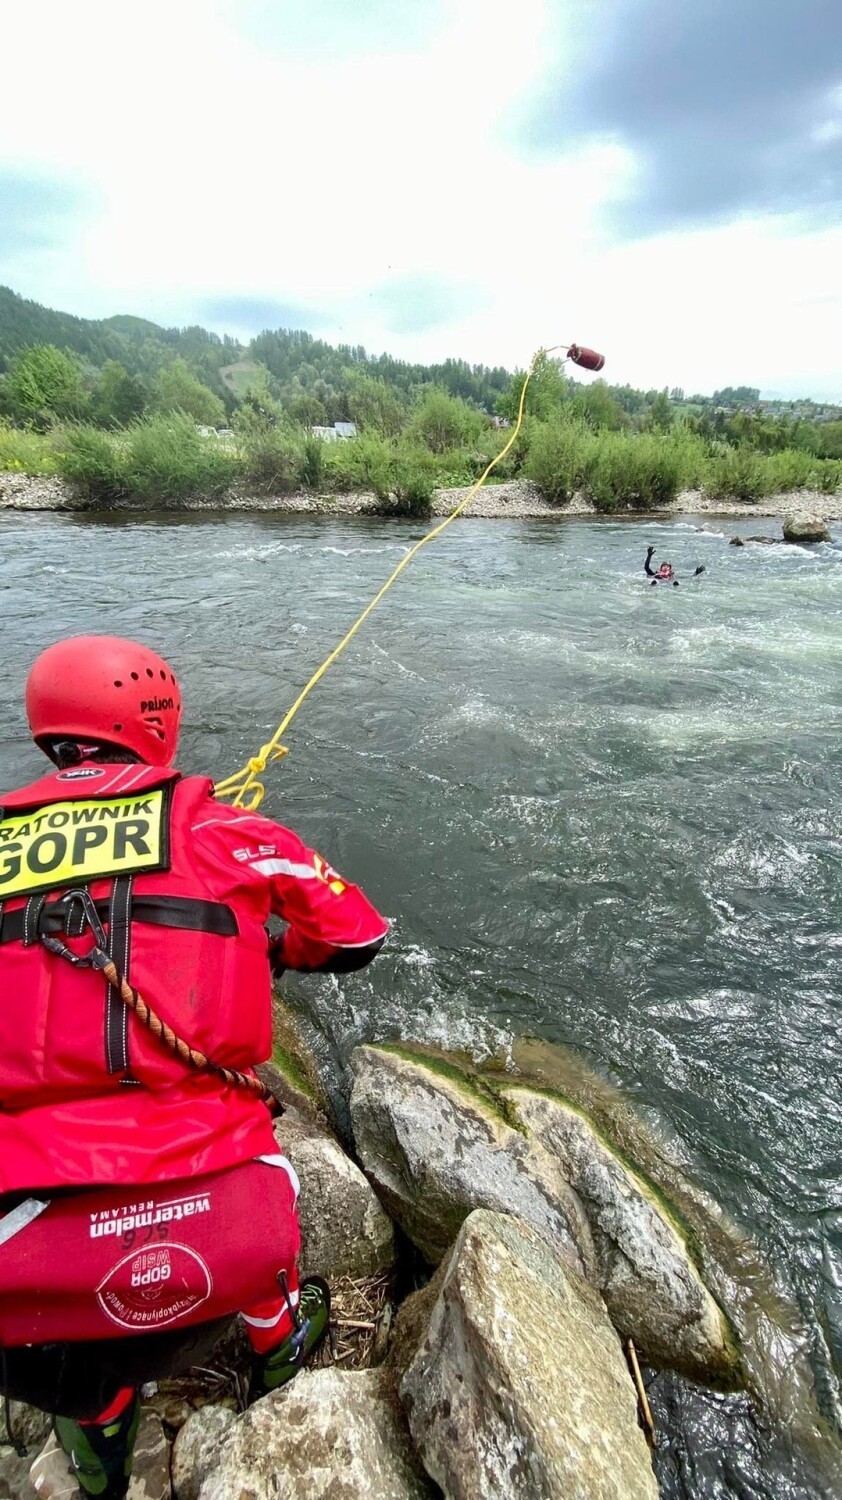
[598, 812]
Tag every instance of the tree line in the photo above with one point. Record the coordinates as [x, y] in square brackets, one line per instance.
[118, 408]
[55, 367]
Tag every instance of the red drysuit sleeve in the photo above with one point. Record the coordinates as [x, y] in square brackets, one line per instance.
[331, 924]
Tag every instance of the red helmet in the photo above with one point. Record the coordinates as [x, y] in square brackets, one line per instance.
[106, 690]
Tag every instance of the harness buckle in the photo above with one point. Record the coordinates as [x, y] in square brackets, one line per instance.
[97, 956]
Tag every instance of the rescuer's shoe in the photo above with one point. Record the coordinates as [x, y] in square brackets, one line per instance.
[101, 1453]
[272, 1370]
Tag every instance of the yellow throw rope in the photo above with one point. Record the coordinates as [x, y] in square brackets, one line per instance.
[245, 784]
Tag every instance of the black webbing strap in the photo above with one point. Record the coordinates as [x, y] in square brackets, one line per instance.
[180, 912]
[31, 918]
[119, 942]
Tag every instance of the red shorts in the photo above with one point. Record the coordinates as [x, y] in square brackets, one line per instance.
[112, 1262]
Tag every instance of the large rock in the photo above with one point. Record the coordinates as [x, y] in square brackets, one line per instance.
[645, 1273]
[329, 1434]
[292, 1074]
[151, 1468]
[520, 1387]
[803, 528]
[436, 1148]
[344, 1229]
[197, 1448]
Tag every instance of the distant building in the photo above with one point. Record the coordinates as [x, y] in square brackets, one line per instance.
[334, 433]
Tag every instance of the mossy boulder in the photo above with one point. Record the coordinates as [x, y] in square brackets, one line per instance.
[439, 1140]
[645, 1266]
[292, 1074]
[436, 1146]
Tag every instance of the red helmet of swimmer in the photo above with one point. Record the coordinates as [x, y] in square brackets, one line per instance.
[102, 690]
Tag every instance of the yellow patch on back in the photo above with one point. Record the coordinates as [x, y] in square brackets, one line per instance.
[72, 843]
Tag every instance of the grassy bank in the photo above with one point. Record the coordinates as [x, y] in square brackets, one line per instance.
[164, 459]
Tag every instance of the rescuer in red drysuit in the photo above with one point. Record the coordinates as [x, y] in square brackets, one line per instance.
[141, 1200]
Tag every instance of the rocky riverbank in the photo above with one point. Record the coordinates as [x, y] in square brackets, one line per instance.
[556, 1232]
[515, 501]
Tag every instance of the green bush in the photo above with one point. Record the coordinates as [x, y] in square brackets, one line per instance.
[556, 459]
[167, 459]
[643, 472]
[597, 408]
[442, 421]
[827, 476]
[271, 458]
[45, 385]
[376, 406]
[739, 474]
[491, 442]
[25, 452]
[413, 491]
[793, 469]
[367, 461]
[94, 460]
[177, 389]
[311, 471]
[692, 454]
[457, 467]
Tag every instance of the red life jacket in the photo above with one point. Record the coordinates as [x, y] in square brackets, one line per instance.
[78, 1074]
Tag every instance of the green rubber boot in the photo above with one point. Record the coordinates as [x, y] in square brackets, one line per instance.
[101, 1456]
[270, 1371]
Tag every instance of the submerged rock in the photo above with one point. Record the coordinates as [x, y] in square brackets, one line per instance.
[805, 528]
[330, 1433]
[520, 1386]
[437, 1146]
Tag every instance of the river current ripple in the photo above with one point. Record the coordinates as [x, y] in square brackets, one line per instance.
[599, 812]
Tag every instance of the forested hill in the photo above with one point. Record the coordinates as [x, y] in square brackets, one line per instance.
[298, 365]
[115, 368]
[141, 347]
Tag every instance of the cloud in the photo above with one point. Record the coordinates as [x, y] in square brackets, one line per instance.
[377, 195]
[730, 107]
[251, 315]
[336, 28]
[34, 211]
[414, 304]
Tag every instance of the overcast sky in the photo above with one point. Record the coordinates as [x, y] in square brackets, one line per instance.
[660, 179]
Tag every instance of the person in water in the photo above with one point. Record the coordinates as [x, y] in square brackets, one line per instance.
[143, 1197]
[665, 572]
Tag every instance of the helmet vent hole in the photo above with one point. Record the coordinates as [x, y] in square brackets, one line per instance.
[117, 728]
[149, 672]
[163, 675]
[134, 677]
[117, 684]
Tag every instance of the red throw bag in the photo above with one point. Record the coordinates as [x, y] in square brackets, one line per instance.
[112, 1262]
